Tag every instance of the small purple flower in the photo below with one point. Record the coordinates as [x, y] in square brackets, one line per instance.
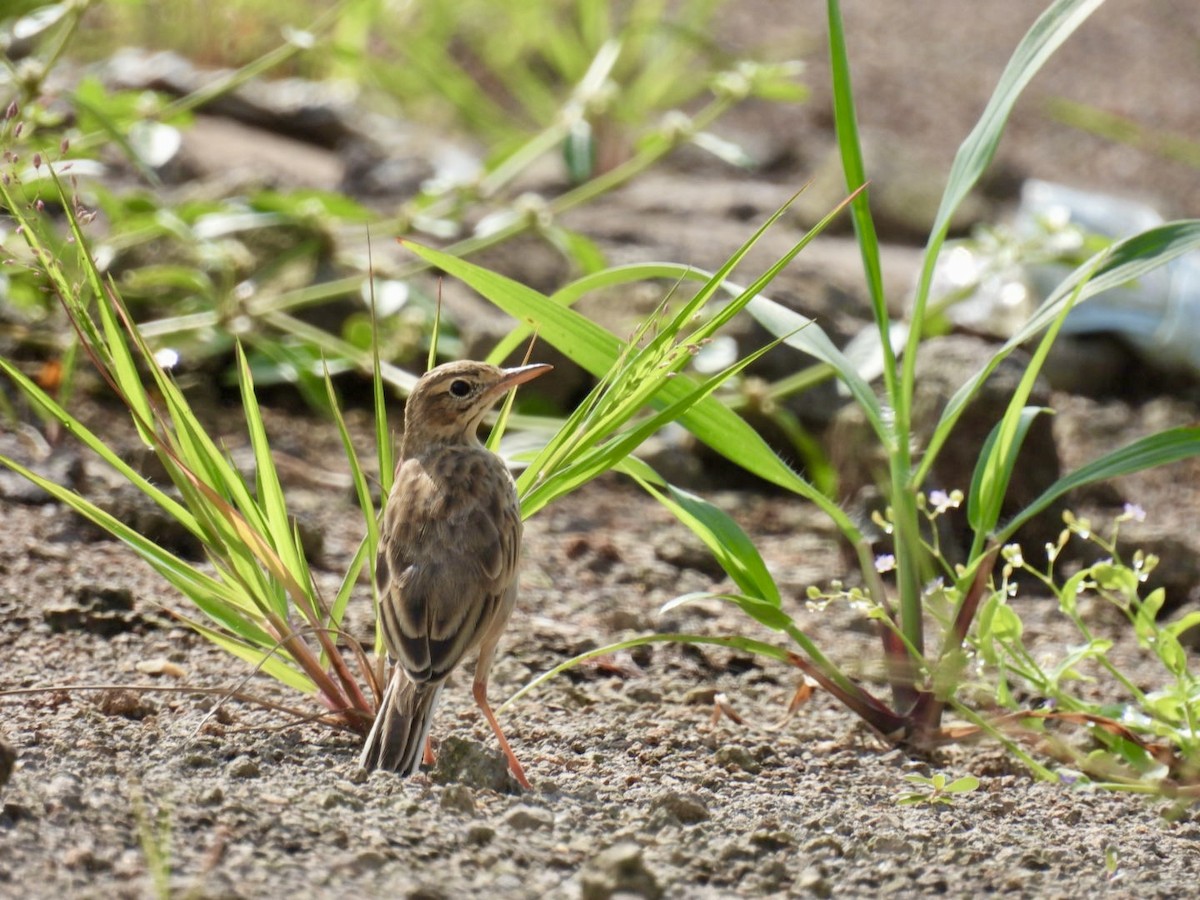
[943, 501]
[885, 562]
[1134, 511]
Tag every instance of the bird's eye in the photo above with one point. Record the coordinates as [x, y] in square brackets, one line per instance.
[460, 388]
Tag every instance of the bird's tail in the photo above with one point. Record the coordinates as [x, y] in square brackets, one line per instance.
[397, 739]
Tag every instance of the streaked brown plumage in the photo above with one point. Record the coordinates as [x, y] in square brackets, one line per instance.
[448, 557]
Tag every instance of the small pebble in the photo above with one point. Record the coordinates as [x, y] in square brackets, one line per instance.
[812, 881]
[243, 767]
[687, 808]
[480, 834]
[66, 791]
[528, 818]
[160, 666]
[8, 761]
[617, 871]
[736, 757]
[458, 798]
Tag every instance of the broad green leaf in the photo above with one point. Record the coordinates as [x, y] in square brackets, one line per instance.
[994, 468]
[729, 544]
[962, 785]
[762, 611]
[1147, 453]
[1124, 261]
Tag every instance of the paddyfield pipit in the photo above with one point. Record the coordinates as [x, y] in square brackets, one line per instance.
[448, 556]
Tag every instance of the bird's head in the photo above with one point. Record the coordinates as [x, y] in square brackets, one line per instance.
[448, 403]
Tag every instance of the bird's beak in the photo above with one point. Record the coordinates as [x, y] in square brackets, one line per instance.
[520, 375]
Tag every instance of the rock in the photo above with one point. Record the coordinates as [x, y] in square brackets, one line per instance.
[687, 808]
[528, 818]
[243, 767]
[643, 694]
[127, 503]
[66, 791]
[480, 834]
[62, 466]
[700, 696]
[126, 704]
[458, 798]
[813, 881]
[368, 861]
[471, 764]
[160, 666]
[732, 756]
[771, 839]
[97, 610]
[618, 870]
[8, 761]
[329, 800]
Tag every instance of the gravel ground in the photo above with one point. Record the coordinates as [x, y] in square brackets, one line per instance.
[636, 787]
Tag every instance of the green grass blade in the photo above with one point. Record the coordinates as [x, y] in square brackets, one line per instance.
[762, 611]
[807, 336]
[1053, 27]
[362, 491]
[270, 500]
[846, 126]
[593, 462]
[1147, 453]
[266, 661]
[1045, 36]
[995, 465]
[728, 543]
[994, 468]
[596, 349]
[975, 154]
[383, 436]
[361, 557]
[124, 371]
[1125, 261]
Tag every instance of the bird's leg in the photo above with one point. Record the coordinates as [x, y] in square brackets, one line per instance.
[479, 689]
[429, 759]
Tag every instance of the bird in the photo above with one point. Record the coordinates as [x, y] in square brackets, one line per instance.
[446, 567]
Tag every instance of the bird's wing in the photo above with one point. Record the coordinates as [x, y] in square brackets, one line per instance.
[445, 562]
